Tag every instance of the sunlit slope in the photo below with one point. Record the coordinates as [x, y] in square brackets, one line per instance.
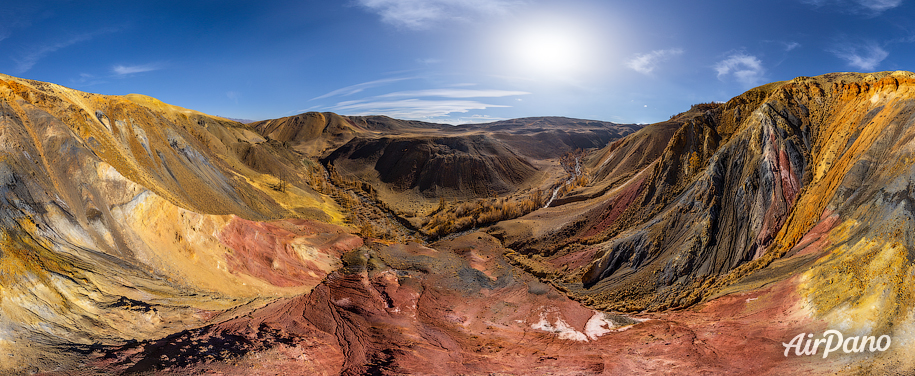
[805, 178]
[125, 218]
[311, 133]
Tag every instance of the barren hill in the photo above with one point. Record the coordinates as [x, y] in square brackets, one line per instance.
[474, 165]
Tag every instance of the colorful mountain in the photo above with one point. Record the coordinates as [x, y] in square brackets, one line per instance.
[140, 237]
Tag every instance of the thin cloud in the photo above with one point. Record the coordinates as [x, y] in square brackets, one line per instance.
[480, 119]
[123, 70]
[863, 56]
[864, 7]
[428, 104]
[116, 72]
[422, 14]
[790, 46]
[454, 93]
[411, 108]
[233, 96]
[31, 57]
[86, 79]
[473, 119]
[357, 88]
[906, 39]
[879, 5]
[646, 63]
[745, 69]
[16, 15]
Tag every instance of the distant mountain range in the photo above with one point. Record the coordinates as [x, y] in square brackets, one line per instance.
[243, 121]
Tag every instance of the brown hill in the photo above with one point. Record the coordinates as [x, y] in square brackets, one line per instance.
[551, 137]
[311, 133]
[317, 134]
[389, 125]
[467, 166]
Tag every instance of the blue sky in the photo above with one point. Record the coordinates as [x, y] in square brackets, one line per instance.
[449, 61]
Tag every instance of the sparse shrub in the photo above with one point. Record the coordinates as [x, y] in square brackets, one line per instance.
[481, 212]
[694, 162]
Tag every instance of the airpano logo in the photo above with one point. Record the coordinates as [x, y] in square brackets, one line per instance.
[833, 341]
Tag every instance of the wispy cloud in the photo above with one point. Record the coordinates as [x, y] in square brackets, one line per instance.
[16, 15]
[123, 70]
[863, 56]
[879, 5]
[437, 104]
[454, 93]
[31, 57]
[791, 46]
[357, 88]
[865, 7]
[86, 79]
[646, 63]
[411, 108]
[474, 119]
[745, 69]
[233, 96]
[116, 72]
[421, 14]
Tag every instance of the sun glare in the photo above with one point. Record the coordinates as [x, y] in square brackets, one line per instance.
[549, 50]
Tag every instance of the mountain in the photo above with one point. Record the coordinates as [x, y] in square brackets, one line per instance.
[140, 237]
[740, 184]
[243, 121]
[798, 183]
[317, 134]
[124, 218]
[476, 165]
[552, 136]
[408, 166]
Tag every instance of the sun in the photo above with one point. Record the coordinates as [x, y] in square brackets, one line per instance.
[549, 50]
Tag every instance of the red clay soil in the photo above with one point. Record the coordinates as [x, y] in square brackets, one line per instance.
[817, 239]
[574, 260]
[618, 205]
[461, 309]
[268, 250]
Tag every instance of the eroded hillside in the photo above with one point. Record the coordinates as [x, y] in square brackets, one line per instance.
[800, 181]
[124, 218]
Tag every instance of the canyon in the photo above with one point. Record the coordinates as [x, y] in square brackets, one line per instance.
[140, 237]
